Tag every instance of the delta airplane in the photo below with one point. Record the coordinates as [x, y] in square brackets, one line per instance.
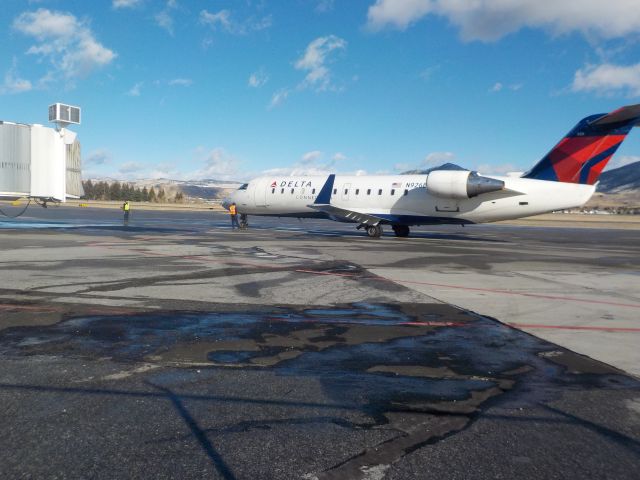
[565, 178]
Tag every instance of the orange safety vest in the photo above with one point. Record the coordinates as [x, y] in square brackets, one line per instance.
[232, 210]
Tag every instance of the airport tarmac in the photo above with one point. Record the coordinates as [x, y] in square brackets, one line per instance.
[177, 348]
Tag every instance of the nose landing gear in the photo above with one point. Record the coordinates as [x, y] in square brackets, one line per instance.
[244, 221]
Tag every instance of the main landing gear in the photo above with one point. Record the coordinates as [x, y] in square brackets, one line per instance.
[401, 230]
[374, 231]
[244, 221]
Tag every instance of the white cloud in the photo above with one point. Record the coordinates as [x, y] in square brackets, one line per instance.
[312, 156]
[607, 79]
[126, 3]
[258, 79]
[131, 167]
[428, 72]
[435, 159]
[219, 165]
[499, 86]
[223, 21]
[502, 169]
[324, 6]
[489, 20]
[398, 13]
[181, 82]
[279, 97]
[98, 157]
[13, 83]
[135, 90]
[68, 43]
[164, 20]
[339, 157]
[314, 61]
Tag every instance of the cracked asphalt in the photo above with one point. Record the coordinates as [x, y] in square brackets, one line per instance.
[176, 348]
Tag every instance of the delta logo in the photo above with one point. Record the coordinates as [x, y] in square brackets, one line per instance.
[291, 183]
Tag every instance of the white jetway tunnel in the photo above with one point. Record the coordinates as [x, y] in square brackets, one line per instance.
[39, 162]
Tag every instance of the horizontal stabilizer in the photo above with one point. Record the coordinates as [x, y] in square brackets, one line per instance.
[624, 114]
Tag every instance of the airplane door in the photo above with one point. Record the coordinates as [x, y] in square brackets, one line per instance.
[346, 190]
[260, 193]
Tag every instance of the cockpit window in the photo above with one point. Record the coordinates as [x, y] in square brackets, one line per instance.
[243, 186]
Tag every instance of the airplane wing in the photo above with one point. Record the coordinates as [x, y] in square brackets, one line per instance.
[348, 215]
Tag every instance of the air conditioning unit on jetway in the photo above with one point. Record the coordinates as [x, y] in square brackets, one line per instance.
[41, 162]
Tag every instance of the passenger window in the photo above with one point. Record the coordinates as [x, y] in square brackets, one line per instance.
[292, 190]
[282, 190]
[335, 190]
[380, 192]
[357, 191]
[273, 190]
[393, 192]
[406, 192]
[313, 192]
[368, 191]
[346, 190]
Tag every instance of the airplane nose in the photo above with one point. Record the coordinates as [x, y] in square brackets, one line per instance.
[226, 203]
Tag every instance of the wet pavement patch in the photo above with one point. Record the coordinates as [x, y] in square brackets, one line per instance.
[419, 372]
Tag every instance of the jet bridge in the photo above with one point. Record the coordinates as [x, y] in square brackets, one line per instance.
[39, 162]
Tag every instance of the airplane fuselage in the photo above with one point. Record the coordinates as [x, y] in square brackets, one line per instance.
[406, 199]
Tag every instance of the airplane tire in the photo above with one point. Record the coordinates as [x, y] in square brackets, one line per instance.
[244, 221]
[401, 230]
[374, 231]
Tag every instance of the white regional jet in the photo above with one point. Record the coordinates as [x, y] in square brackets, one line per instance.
[564, 178]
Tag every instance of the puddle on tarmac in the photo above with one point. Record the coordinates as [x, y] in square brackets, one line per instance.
[380, 353]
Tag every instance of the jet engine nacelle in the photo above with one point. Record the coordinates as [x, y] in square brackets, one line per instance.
[460, 184]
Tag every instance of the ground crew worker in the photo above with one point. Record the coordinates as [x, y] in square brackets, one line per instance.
[233, 211]
[126, 208]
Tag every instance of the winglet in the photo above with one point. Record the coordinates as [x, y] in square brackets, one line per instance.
[324, 197]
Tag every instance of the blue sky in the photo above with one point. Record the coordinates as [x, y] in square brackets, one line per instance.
[232, 89]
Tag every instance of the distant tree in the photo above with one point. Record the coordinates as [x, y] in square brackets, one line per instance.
[161, 195]
[179, 198]
[152, 195]
[145, 194]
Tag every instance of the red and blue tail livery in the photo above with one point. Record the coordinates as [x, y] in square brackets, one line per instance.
[581, 156]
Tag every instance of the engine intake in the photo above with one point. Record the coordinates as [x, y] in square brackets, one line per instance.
[461, 184]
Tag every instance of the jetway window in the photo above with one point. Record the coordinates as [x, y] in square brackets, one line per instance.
[393, 192]
[380, 191]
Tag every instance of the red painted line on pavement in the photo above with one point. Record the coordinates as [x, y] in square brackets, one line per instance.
[478, 289]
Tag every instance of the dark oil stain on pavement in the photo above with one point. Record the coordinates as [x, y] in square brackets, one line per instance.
[426, 371]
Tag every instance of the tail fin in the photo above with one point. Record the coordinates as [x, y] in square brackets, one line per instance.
[581, 156]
